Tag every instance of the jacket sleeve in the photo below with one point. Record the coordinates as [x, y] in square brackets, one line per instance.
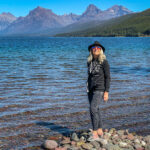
[87, 84]
[106, 68]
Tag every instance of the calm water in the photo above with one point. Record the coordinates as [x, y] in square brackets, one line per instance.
[43, 90]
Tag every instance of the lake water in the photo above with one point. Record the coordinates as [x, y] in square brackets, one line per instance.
[43, 87]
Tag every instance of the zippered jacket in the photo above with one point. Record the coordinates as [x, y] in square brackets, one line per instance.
[98, 76]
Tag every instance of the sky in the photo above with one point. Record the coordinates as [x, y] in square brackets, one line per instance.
[60, 7]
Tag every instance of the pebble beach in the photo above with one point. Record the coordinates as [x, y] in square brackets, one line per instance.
[112, 139]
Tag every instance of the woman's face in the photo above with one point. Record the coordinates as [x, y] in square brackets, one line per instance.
[96, 50]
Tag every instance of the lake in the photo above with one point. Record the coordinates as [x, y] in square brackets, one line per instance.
[43, 87]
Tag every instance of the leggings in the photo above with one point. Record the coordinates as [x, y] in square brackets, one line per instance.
[95, 98]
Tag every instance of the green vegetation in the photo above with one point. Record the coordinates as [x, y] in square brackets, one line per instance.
[136, 24]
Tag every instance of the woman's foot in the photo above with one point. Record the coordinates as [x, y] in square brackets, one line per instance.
[94, 136]
[100, 132]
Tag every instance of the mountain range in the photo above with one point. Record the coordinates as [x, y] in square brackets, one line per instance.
[42, 21]
[135, 24]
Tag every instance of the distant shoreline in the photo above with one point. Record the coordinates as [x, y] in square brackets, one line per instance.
[11, 36]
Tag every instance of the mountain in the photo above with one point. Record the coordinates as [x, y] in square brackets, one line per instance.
[93, 13]
[135, 24]
[37, 20]
[6, 19]
[43, 21]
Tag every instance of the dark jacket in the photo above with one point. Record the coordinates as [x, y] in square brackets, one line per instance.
[98, 76]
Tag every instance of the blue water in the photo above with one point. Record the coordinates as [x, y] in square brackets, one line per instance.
[43, 87]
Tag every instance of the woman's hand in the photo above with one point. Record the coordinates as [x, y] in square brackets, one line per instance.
[105, 96]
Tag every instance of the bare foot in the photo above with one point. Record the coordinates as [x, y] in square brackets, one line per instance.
[95, 134]
[100, 132]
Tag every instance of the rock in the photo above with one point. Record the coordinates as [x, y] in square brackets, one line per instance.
[66, 146]
[50, 144]
[82, 138]
[126, 132]
[74, 137]
[143, 143]
[115, 136]
[137, 146]
[147, 138]
[60, 148]
[110, 146]
[95, 144]
[105, 130]
[123, 144]
[123, 137]
[140, 148]
[87, 146]
[106, 137]
[112, 130]
[130, 136]
[55, 138]
[103, 141]
[102, 149]
[66, 141]
[73, 143]
[80, 143]
[120, 132]
[137, 141]
[147, 147]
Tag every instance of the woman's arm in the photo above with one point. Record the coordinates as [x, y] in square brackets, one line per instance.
[107, 79]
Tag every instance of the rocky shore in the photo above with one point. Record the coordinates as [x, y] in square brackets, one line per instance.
[112, 139]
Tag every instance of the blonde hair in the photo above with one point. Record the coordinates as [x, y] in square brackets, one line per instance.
[101, 57]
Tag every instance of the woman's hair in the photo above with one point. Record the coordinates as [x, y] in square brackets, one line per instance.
[101, 57]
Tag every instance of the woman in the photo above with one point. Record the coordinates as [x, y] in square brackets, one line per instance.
[98, 85]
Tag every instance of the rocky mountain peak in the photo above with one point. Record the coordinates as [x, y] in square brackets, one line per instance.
[91, 10]
[41, 11]
[119, 9]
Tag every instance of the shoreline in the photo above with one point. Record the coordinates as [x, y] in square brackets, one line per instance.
[112, 139]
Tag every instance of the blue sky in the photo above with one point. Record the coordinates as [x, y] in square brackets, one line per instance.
[22, 7]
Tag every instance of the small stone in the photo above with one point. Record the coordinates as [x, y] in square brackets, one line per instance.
[82, 138]
[140, 148]
[95, 144]
[147, 138]
[111, 130]
[120, 132]
[105, 130]
[74, 137]
[103, 141]
[108, 134]
[66, 141]
[73, 143]
[137, 141]
[123, 137]
[147, 147]
[87, 146]
[110, 146]
[123, 144]
[50, 144]
[115, 136]
[143, 143]
[66, 146]
[126, 132]
[60, 148]
[54, 138]
[136, 146]
[80, 143]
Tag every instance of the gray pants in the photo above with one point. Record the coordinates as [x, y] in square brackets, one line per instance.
[95, 98]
